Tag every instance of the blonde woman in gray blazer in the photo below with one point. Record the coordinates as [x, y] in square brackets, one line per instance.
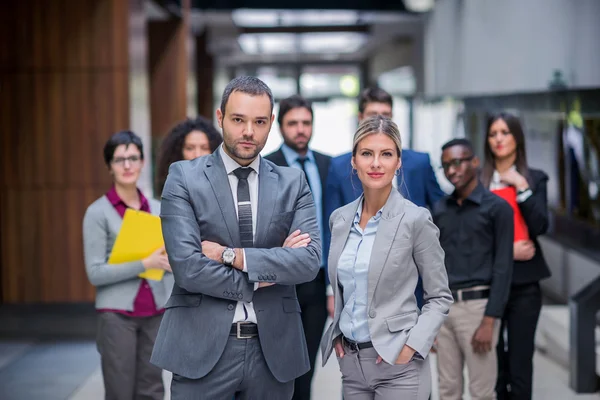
[380, 244]
[129, 308]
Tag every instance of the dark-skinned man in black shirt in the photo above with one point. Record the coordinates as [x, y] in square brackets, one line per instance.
[476, 233]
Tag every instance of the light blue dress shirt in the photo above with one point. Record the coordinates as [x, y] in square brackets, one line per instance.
[353, 274]
[314, 179]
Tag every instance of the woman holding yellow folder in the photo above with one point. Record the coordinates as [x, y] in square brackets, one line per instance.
[130, 308]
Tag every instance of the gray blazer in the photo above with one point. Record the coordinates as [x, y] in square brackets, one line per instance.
[116, 285]
[197, 205]
[406, 245]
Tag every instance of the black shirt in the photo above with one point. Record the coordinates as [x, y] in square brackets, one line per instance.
[477, 238]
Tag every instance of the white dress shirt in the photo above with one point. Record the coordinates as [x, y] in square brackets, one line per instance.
[230, 166]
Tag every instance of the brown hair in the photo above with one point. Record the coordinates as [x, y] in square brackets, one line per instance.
[516, 130]
[373, 95]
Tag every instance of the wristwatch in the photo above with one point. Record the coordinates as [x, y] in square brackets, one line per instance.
[228, 256]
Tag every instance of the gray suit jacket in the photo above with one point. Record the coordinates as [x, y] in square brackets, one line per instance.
[116, 285]
[197, 205]
[406, 245]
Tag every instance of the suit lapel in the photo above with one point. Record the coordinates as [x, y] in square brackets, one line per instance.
[392, 215]
[340, 232]
[323, 167]
[217, 176]
[267, 194]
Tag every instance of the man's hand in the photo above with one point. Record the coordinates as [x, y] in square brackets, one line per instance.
[297, 240]
[523, 250]
[482, 339]
[213, 250]
[331, 305]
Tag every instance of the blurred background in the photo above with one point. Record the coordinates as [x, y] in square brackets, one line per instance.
[72, 72]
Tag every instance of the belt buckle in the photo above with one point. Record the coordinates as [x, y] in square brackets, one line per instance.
[239, 330]
[459, 294]
[352, 345]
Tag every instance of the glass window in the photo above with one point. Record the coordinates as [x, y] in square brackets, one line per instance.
[330, 80]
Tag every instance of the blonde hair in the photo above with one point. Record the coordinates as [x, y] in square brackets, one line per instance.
[378, 124]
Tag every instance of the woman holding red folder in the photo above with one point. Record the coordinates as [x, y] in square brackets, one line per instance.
[129, 308]
[506, 173]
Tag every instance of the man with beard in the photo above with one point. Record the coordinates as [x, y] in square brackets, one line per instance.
[295, 120]
[232, 325]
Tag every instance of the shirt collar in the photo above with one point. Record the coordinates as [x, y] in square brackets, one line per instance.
[231, 165]
[115, 200]
[359, 212]
[291, 156]
[496, 175]
[476, 195]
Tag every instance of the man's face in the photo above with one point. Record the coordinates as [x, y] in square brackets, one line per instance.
[246, 125]
[296, 128]
[373, 109]
[460, 166]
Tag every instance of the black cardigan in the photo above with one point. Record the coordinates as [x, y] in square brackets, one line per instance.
[535, 213]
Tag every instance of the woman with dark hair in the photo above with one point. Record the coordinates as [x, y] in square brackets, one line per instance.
[129, 308]
[187, 140]
[506, 172]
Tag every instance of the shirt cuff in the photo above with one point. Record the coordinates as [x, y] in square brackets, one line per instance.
[245, 266]
[521, 197]
[256, 286]
[329, 290]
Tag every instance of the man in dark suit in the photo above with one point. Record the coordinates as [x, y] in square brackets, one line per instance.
[295, 123]
[417, 181]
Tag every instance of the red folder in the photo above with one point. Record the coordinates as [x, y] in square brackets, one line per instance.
[510, 195]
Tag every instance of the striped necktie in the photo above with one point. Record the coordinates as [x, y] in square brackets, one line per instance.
[244, 207]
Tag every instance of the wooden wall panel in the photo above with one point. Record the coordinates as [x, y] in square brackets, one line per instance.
[63, 91]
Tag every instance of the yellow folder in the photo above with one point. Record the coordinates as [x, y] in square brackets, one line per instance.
[140, 236]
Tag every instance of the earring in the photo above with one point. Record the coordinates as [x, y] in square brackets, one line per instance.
[397, 173]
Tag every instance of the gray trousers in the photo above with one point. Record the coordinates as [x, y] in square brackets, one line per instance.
[125, 345]
[241, 373]
[363, 379]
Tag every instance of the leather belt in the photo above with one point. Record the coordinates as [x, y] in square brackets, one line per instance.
[357, 346]
[469, 294]
[244, 330]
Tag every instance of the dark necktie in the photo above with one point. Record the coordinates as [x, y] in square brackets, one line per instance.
[244, 207]
[302, 161]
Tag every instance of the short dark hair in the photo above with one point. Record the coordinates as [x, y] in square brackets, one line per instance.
[294, 101]
[119, 138]
[246, 84]
[466, 143]
[373, 95]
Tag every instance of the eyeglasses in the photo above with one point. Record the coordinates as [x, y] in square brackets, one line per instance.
[120, 161]
[455, 163]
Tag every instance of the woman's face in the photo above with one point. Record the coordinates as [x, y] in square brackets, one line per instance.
[126, 164]
[501, 141]
[196, 144]
[376, 161]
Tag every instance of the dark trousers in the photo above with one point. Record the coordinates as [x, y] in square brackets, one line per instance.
[125, 345]
[515, 355]
[241, 373]
[313, 303]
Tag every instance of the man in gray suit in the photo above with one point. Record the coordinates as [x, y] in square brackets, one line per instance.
[232, 325]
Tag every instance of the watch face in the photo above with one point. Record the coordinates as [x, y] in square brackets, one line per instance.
[228, 256]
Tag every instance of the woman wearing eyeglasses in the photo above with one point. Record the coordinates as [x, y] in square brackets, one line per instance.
[129, 308]
[506, 173]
